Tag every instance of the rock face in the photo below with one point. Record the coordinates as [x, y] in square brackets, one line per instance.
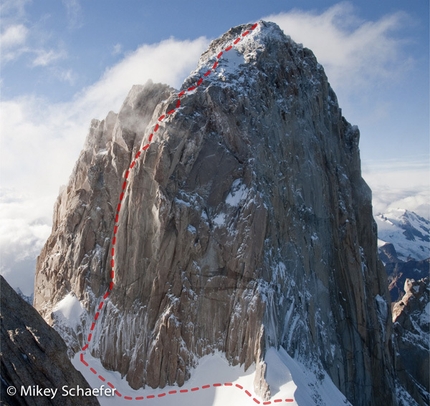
[398, 272]
[33, 354]
[411, 318]
[245, 225]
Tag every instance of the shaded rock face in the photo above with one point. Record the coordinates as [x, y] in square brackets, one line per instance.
[411, 318]
[245, 225]
[32, 353]
[399, 271]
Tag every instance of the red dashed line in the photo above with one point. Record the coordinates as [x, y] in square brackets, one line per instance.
[82, 359]
[115, 231]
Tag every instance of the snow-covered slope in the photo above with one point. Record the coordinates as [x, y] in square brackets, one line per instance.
[290, 382]
[408, 232]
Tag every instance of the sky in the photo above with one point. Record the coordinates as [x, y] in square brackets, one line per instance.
[65, 62]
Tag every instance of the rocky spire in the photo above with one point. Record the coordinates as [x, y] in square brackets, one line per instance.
[245, 224]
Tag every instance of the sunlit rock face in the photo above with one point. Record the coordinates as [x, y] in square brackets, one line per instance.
[245, 225]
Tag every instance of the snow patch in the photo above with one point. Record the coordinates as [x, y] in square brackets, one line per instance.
[219, 220]
[69, 310]
[238, 193]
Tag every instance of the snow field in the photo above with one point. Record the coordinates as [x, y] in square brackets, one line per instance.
[290, 383]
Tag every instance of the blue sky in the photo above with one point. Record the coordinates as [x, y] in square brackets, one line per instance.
[64, 62]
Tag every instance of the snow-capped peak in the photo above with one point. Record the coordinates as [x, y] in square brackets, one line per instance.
[407, 231]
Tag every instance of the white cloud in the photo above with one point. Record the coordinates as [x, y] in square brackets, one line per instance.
[13, 36]
[74, 13]
[117, 49]
[400, 184]
[46, 57]
[12, 7]
[355, 53]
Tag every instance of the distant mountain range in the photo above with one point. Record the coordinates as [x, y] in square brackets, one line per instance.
[408, 232]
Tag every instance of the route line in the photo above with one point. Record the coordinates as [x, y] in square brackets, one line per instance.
[161, 119]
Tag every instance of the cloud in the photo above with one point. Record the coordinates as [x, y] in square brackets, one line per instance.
[13, 36]
[16, 39]
[117, 49]
[47, 57]
[355, 53]
[74, 13]
[401, 184]
[23, 230]
[16, 8]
